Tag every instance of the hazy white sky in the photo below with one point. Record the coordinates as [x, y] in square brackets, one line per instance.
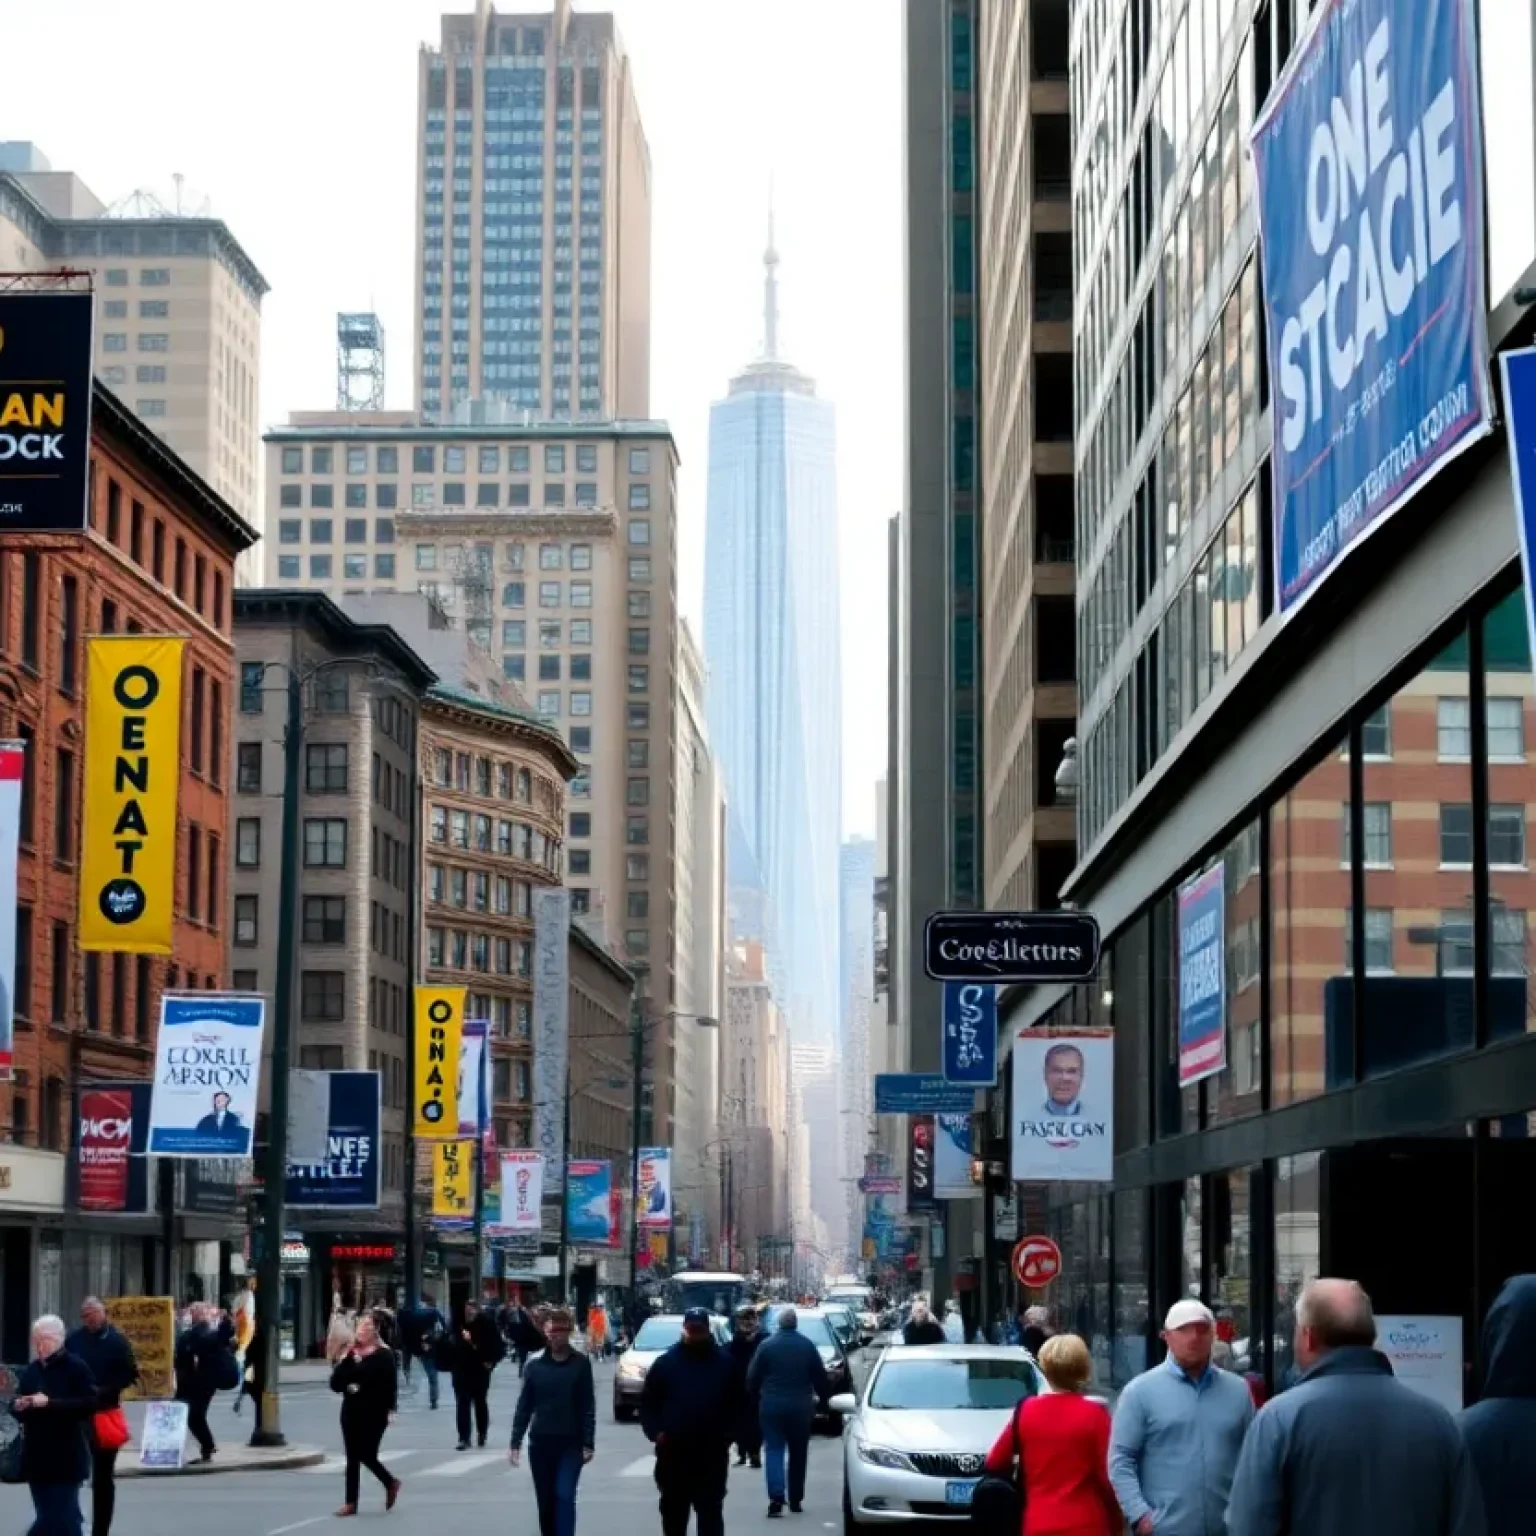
[296, 119]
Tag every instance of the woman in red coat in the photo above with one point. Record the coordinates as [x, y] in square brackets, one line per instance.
[1063, 1450]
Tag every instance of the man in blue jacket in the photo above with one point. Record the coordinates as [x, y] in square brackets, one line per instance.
[1349, 1449]
[109, 1356]
[688, 1410]
[788, 1379]
[1501, 1430]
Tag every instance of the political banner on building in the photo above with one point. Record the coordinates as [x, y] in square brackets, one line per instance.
[952, 1159]
[551, 1023]
[589, 1202]
[1064, 1105]
[13, 764]
[522, 1193]
[1202, 976]
[128, 809]
[921, 1195]
[439, 1025]
[348, 1176]
[970, 1033]
[110, 1177]
[453, 1183]
[1518, 371]
[45, 410]
[474, 1072]
[1369, 167]
[149, 1325]
[656, 1188]
[207, 1074]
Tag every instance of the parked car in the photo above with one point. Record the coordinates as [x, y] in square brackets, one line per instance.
[816, 1325]
[918, 1437]
[657, 1335]
[845, 1324]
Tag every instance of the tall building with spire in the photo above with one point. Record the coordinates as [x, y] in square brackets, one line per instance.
[771, 640]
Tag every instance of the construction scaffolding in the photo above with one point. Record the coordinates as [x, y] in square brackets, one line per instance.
[359, 362]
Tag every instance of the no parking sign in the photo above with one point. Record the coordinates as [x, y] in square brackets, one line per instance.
[1036, 1262]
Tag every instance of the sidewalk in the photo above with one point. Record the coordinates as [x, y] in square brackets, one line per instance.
[233, 1458]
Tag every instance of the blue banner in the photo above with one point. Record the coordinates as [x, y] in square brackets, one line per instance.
[588, 1202]
[1202, 976]
[1369, 168]
[970, 1033]
[349, 1177]
[916, 1093]
[1519, 373]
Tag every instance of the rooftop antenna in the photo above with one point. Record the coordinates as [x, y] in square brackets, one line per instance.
[770, 288]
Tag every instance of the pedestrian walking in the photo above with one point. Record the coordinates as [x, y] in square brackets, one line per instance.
[522, 1334]
[422, 1331]
[557, 1413]
[365, 1378]
[687, 1408]
[201, 1370]
[788, 1379]
[477, 1349]
[922, 1327]
[745, 1342]
[109, 1358]
[55, 1399]
[1350, 1448]
[1061, 1443]
[1501, 1430]
[254, 1379]
[1177, 1432]
[597, 1332]
[1036, 1329]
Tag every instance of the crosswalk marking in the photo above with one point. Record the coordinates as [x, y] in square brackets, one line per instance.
[462, 1464]
[640, 1467]
[334, 1463]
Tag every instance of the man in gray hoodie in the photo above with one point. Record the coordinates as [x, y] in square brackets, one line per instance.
[1349, 1449]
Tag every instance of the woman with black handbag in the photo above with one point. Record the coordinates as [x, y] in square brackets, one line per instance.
[1060, 1442]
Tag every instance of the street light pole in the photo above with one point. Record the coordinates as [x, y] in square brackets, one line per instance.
[637, 1066]
[269, 1271]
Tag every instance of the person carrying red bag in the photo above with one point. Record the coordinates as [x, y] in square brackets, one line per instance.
[110, 1358]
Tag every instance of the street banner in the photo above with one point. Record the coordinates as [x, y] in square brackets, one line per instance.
[45, 410]
[970, 1033]
[656, 1188]
[1063, 1105]
[348, 1176]
[149, 1325]
[164, 1436]
[309, 1115]
[551, 1027]
[1368, 158]
[104, 1147]
[522, 1193]
[453, 1183]
[13, 763]
[589, 1202]
[1518, 371]
[474, 1064]
[207, 1073]
[952, 1159]
[439, 1025]
[920, 1191]
[917, 1093]
[1202, 976]
[128, 810]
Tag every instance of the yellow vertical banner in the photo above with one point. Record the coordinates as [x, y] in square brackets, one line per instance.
[453, 1164]
[439, 1027]
[132, 774]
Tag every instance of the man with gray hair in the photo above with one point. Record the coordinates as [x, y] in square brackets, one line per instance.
[1349, 1448]
[54, 1401]
[109, 1357]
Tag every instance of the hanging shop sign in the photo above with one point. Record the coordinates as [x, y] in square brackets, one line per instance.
[453, 1164]
[1202, 976]
[1011, 947]
[132, 774]
[1063, 1105]
[1368, 158]
[921, 1195]
[551, 1029]
[1036, 1261]
[970, 1033]
[917, 1093]
[207, 1073]
[439, 1035]
[655, 1193]
[522, 1194]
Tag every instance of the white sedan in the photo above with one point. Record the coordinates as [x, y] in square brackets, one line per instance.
[915, 1442]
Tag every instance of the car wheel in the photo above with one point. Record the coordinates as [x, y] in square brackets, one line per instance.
[850, 1525]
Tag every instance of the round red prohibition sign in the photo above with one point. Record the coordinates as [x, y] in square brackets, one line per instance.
[1036, 1262]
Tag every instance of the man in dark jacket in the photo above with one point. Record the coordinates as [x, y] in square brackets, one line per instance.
[109, 1357]
[198, 1363]
[687, 1410]
[477, 1350]
[1349, 1448]
[789, 1380]
[557, 1411]
[422, 1329]
[1501, 1430]
[923, 1327]
[744, 1345]
[54, 1401]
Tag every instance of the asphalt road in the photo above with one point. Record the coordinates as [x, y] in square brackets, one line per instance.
[447, 1492]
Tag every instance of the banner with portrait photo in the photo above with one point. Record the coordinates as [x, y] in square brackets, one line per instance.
[656, 1188]
[1063, 1105]
[207, 1074]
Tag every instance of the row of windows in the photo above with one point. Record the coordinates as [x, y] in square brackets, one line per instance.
[488, 459]
[456, 949]
[482, 834]
[190, 578]
[476, 890]
[149, 277]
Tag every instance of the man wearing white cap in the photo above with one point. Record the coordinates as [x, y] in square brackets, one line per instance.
[1178, 1431]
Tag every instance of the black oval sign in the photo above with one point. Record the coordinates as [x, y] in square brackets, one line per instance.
[1011, 947]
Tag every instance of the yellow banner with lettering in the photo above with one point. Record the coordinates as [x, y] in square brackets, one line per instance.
[439, 1032]
[453, 1175]
[149, 1325]
[132, 773]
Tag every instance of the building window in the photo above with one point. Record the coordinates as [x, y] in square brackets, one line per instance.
[195, 734]
[322, 996]
[639, 461]
[1506, 730]
[639, 501]
[69, 635]
[639, 567]
[554, 459]
[250, 687]
[1506, 836]
[31, 610]
[639, 641]
[549, 669]
[1453, 720]
[551, 557]
[154, 341]
[1376, 733]
[330, 693]
[549, 594]
[1378, 940]
[325, 842]
[325, 920]
[64, 806]
[246, 919]
[248, 842]
[638, 791]
[154, 277]
[325, 768]
[581, 823]
[248, 768]
[1378, 834]
[581, 594]
[639, 530]
[640, 605]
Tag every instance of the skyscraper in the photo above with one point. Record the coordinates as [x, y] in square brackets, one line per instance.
[533, 215]
[771, 639]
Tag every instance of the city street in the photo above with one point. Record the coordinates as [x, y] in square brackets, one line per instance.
[444, 1489]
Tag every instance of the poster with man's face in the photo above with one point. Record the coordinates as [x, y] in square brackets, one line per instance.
[1063, 1106]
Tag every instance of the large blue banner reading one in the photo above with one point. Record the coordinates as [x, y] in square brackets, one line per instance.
[1369, 167]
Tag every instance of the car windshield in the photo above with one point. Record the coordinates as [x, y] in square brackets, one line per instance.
[940, 1384]
[815, 1327]
[658, 1333]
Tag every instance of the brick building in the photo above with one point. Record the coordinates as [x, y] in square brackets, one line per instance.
[158, 558]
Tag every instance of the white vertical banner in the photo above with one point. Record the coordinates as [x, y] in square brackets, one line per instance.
[522, 1193]
[551, 1030]
[12, 766]
[309, 1117]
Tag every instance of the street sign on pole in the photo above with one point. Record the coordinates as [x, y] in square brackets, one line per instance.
[1036, 1262]
[970, 1033]
[918, 1093]
[1011, 947]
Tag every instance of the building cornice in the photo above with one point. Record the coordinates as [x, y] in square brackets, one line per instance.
[482, 716]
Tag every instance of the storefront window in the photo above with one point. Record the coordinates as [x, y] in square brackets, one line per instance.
[1131, 1323]
[1309, 888]
[1238, 1347]
[1236, 1091]
[1298, 1251]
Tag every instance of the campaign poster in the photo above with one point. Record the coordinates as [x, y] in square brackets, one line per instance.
[952, 1159]
[207, 1074]
[348, 1176]
[1202, 976]
[522, 1193]
[588, 1201]
[551, 1029]
[1368, 159]
[656, 1188]
[1063, 1105]
[13, 761]
[104, 1147]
